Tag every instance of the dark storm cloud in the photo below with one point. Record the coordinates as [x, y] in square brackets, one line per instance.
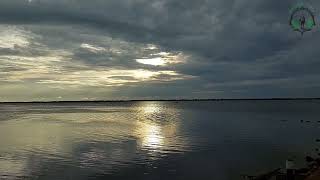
[200, 26]
[235, 47]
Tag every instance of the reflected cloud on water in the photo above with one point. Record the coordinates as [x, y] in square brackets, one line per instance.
[97, 141]
[152, 140]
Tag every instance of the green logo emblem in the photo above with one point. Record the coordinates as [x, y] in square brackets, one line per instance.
[302, 19]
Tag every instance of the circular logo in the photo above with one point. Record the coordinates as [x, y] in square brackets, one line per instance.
[302, 19]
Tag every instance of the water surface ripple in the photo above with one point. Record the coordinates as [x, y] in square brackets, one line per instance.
[153, 140]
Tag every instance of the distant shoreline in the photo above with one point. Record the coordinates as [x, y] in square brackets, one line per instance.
[168, 100]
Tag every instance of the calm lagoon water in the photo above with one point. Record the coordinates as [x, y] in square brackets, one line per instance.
[217, 140]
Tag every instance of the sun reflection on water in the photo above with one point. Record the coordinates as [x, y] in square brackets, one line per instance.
[150, 108]
[152, 137]
[157, 129]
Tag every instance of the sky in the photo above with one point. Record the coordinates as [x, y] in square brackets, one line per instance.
[155, 49]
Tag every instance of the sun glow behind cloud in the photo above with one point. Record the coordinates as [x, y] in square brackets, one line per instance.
[53, 68]
[161, 58]
[158, 61]
[112, 77]
[27, 61]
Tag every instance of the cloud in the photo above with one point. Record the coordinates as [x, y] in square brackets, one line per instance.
[11, 38]
[43, 63]
[92, 48]
[231, 47]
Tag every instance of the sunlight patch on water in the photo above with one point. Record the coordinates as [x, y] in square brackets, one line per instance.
[152, 137]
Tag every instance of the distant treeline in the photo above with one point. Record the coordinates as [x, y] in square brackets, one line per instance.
[137, 100]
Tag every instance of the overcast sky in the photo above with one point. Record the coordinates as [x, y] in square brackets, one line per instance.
[137, 49]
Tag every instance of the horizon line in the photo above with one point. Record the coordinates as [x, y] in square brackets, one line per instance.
[137, 100]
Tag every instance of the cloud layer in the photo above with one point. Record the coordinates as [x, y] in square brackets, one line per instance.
[77, 49]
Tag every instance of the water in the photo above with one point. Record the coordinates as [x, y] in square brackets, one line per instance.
[154, 140]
